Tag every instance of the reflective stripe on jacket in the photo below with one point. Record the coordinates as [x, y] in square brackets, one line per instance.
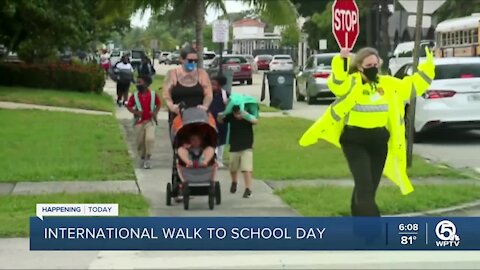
[348, 88]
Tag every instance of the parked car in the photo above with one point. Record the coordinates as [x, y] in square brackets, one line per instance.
[282, 62]
[252, 63]
[242, 70]
[208, 59]
[136, 58]
[162, 59]
[173, 59]
[116, 56]
[453, 99]
[403, 54]
[312, 78]
[263, 61]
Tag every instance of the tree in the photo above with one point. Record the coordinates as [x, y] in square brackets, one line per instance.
[277, 12]
[290, 36]
[37, 30]
[457, 8]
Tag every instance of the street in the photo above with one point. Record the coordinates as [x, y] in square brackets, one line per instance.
[455, 149]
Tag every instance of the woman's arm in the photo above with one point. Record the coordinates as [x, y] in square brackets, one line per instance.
[338, 81]
[207, 88]
[167, 91]
[419, 81]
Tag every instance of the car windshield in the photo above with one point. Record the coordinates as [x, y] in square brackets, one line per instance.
[264, 57]
[455, 71]
[283, 58]
[324, 61]
[208, 56]
[115, 54]
[137, 54]
[234, 60]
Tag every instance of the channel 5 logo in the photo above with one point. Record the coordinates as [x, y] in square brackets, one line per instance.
[446, 231]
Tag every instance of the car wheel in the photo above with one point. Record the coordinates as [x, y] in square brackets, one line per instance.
[310, 99]
[249, 81]
[299, 96]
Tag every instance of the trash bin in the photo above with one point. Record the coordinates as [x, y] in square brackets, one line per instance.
[280, 89]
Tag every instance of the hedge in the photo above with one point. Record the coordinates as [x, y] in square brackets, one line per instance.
[63, 76]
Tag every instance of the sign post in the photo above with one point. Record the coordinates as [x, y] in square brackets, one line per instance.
[345, 24]
[220, 34]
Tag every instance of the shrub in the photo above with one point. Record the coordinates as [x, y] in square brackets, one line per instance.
[71, 77]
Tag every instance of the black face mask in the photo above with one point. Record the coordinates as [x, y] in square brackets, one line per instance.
[141, 87]
[371, 74]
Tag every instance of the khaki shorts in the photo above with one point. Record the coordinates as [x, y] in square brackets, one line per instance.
[241, 161]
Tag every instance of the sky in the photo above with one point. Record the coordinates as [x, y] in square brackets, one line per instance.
[232, 6]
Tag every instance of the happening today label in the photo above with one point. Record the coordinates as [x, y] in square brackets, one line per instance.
[76, 209]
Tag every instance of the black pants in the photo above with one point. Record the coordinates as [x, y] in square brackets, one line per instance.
[366, 152]
[122, 90]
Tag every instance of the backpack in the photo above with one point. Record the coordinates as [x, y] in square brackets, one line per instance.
[138, 106]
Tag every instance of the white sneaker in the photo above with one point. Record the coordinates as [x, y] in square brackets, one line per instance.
[146, 164]
[220, 164]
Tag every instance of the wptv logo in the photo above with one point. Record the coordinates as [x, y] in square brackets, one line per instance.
[446, 231]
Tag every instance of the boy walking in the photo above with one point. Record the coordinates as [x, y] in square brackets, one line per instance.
[144, 104]
[241, 144]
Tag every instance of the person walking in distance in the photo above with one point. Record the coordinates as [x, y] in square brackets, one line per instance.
[219, 102]
[146, 68]
[241, 147]
[144, 104]
[367, 122]
[124, 76]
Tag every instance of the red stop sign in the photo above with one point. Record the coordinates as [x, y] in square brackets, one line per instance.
[345, 23]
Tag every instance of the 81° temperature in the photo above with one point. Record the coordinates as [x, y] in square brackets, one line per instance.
[407, 239]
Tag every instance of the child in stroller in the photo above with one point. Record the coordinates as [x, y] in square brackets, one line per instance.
[194, 153]
[194, 138]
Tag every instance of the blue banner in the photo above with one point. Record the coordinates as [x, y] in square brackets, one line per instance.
[253, 233]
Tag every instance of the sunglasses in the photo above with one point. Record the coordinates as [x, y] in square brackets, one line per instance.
[192, 60]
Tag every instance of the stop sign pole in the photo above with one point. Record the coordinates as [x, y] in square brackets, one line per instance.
[345, 24]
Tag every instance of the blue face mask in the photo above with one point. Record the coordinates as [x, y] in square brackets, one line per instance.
[190, 66]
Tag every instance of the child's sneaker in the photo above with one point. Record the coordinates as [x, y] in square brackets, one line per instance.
[146, 164]
[247, 193]
[233, 187]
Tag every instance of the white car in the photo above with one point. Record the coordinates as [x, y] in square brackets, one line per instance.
[208, 59]
[162, 59]
[281, 63]
[115, 57]
[453, 99]
[403, 54]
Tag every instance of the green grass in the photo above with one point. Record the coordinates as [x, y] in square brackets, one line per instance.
[278, 156]
[89, 101]
[51, 146]
[15, 210]
[335, 201]
[265, 108]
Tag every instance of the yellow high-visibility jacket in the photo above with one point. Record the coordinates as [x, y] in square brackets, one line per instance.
[348, 88]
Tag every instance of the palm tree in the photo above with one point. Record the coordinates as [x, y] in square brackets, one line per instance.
[186, 11]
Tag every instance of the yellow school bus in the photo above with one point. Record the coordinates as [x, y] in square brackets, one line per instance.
[458, 37]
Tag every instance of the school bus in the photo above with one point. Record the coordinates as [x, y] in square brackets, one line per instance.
[458, 37]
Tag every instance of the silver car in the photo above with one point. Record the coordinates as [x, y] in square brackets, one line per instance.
[312, 79]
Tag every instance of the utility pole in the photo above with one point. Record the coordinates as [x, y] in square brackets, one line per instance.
[413, 97]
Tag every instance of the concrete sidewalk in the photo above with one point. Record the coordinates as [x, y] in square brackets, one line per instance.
[15, 105]
[152, 183]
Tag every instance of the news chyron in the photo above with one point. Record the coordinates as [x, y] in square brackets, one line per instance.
[99, 227]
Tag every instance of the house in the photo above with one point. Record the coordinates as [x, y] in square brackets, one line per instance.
[249, 35]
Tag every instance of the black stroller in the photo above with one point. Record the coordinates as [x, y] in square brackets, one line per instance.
[198, 181]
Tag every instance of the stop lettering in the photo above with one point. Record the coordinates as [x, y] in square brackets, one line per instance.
[345, 20]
